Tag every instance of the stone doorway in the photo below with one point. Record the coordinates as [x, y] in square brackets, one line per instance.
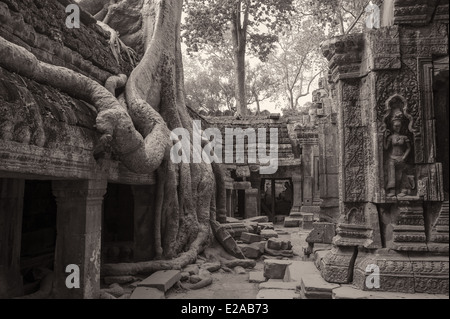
[277, 197]
[37, 247]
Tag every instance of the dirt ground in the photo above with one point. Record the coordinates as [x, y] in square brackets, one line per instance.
[235, 286]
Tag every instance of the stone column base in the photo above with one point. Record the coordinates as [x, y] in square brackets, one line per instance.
[403, 272]
[337, 265]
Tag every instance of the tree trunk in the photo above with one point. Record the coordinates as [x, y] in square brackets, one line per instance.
[139, 133]
[241, 99]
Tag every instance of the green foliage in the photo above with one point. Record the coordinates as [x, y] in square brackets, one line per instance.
[208, 21]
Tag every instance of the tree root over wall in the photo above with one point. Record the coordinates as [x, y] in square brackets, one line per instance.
[136, 127]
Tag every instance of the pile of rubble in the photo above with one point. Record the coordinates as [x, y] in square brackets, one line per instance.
[257, 237]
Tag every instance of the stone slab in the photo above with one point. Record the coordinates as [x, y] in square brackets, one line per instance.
[266, 226]
[251, 251]
[250, 238]
[256, 277]
[269, 233]
[290, 222]
[257, 219]
[315, 283]
[279, 285]
[147, 293]
[297, 269]
[162, 280]
[277, 294]
[275, 269]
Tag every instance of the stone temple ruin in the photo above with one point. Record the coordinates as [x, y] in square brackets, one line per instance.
[366, 170]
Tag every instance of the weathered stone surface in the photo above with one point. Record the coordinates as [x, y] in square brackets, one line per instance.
[336, 265]
[315, 285]
[147, 293]
[291, 222]
[268, 233]
[256, 277]
[275, 269]
[274, 243]
[277, 294]
[279, 244]
[251, 251]
[266, 226]
[279, 285]
[162, 280]
[279, 253]
[297, 269]
[322, 233]
[249, 238]
[257, 219]
[412, 273]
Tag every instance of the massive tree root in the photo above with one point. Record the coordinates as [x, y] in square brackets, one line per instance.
[136, 126]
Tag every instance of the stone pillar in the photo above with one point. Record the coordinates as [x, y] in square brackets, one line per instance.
[297, 194]
[229, 203]
[79, 220]
[143, 222]
[272, 196]
[251, 202]
[11, 208]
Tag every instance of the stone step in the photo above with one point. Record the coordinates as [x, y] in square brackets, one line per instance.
[315, 287]
[147, 293]
[277, 294]
[162, 280]
[290, 222]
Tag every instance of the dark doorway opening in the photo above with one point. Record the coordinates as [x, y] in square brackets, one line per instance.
[118, 224]
[38, 243]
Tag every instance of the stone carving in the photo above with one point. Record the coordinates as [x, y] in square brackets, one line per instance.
[397, 146]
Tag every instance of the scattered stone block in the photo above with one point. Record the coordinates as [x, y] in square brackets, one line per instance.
[308, 221]
[250, 251]
[261, 245]
[279, 253]
[249, 238]
[256, 277]
[322, 233]
[147, 293]
[162, 280]
[277, 294]
[279, 285]
[290, 222]
[269, 233]
[266, 226]
[231, 220]
[274, 243]
[258, 219]
[315, 287]
[275, 269]
[296, 215]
